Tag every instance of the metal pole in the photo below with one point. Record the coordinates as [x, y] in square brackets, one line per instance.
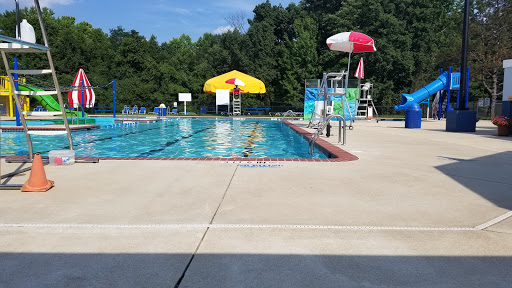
[467, 91]
[464, 58]
[18, 20]
[449, 89]
[83, 114]
[16, 86]
[325, 96]
[458, 92]
[114, 96]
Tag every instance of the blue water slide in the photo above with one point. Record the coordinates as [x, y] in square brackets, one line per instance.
[439, 84]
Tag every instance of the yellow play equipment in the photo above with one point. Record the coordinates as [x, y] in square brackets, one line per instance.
[6, 98]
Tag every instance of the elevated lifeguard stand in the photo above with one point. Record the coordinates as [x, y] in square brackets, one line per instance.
[25, 43]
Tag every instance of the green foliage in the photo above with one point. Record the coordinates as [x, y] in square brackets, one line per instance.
[282, 47]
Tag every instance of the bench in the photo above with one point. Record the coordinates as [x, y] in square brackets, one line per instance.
[256, 111]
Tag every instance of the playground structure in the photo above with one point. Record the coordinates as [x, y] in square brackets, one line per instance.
[442, 87]
[7, 102]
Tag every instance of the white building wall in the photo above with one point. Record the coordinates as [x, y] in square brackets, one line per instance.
[507, 81]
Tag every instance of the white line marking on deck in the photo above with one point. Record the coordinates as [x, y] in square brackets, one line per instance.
[164, 226]
[494, 221]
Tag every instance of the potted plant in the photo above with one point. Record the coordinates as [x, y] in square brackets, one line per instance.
[503, 124]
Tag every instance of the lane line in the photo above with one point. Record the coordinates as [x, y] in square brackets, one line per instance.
[248, 150]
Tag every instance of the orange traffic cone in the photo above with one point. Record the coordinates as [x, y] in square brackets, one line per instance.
[37, 181]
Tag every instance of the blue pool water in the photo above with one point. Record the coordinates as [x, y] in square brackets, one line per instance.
[186, 138]
[13, 123]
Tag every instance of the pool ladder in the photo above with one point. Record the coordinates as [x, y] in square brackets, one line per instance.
[288, 113]
[323, 125]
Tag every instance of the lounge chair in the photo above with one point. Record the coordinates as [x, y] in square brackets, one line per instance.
[174, 111]
[142, 110]
[126, 109]
[134, 110]
[155, 111]
[38, 109]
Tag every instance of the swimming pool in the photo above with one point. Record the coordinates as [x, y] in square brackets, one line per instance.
[178, 137]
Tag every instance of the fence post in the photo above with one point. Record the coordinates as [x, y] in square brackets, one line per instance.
[114, 96]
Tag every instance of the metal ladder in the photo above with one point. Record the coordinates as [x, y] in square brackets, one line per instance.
[237, 106]
[13, 45]
[322, 126]
[288, 113]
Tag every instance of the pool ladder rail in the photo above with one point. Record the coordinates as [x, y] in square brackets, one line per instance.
[322, 125]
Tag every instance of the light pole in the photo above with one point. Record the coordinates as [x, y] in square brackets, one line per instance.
[464, 59]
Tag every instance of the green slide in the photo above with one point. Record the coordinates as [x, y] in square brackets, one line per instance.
[47, 101]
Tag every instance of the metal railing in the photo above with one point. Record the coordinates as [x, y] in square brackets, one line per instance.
[322, 126]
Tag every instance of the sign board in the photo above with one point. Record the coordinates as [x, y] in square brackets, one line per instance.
[480, 102]
[185, 97]
[222, 97]
[487, 102]
[175, 104]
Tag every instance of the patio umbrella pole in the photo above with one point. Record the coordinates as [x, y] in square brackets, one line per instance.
[346, 84]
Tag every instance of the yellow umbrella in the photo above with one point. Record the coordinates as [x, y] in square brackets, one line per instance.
[252, 85]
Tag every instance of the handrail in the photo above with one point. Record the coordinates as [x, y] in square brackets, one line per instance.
[288, 113]
[322, 126]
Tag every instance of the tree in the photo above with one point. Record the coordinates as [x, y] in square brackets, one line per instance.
[299, 62]
[491, 42]
[237, 20]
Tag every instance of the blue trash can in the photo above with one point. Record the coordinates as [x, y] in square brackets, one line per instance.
[413, 116]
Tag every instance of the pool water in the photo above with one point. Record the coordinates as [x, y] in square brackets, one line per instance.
[178, 137]
[13, 123]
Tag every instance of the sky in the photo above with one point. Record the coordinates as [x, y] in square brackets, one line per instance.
[164, 19]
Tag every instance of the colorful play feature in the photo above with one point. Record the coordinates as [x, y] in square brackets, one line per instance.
[314, 101]
[447, 81]
[7, 103]
[47, 101]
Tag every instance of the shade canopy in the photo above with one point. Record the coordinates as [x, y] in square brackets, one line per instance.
[252, 85]
[351, 42]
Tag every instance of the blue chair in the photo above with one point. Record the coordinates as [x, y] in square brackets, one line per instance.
[156, 110]
[134, 110]
[142, 110]
[174, 111]
[203, 111]
[38, 109]
[126, 109]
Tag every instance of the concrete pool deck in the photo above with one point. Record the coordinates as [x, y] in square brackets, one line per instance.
[420, 208]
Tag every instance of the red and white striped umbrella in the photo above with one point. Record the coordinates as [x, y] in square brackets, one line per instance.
[351, 42]
[235, 81]
[75, 96]
[360, 70]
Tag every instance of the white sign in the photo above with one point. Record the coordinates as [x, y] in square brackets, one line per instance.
[185, 97]
[487, 102]
[222, 97]
[480, 102]
[175, 104]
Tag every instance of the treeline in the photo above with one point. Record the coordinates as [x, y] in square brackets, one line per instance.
[282, 46]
